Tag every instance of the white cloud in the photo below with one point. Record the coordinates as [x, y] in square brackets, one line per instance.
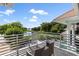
[33, 19]
[25, 17]
[41, 12]
[8, 21]
[7, 12]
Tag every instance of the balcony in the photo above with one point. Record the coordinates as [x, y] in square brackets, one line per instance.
[38, 44]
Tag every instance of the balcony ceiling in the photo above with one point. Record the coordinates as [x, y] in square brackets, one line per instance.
[69, 20]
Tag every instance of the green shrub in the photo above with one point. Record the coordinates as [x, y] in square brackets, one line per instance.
[27, 38]
[41, 37]
[14, 30]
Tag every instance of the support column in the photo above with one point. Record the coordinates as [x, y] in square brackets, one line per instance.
[68, 36]
[73, 34]
[68, 33]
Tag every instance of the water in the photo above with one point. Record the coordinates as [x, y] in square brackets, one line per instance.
[28, 33]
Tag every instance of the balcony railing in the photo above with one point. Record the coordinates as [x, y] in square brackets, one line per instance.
[9, 43]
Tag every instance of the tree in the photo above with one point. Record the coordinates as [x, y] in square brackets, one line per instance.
[3, 28]
[17, 24]
[51, 27]
[11, 27]
[15, 30]
[57, 27]
[36, 29]
[45, 27]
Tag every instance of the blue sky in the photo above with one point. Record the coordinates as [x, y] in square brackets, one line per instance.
[32, 14]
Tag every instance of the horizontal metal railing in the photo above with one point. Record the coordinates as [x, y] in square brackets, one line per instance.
[15, 42]
[64, 41]
[11, 42]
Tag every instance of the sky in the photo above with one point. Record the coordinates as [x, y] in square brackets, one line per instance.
[32, 14]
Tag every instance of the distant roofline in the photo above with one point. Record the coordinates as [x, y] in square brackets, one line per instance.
[60, 16]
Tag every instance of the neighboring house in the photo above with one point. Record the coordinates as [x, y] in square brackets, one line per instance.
[71, 19]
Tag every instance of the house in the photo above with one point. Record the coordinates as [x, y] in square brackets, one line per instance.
[71, 19]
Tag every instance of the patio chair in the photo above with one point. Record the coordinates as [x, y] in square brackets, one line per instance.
[35, 52]
[46, 50]
[50, 49]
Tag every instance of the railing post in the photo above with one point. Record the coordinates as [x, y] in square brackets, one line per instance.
[17, 45]
[60, 40]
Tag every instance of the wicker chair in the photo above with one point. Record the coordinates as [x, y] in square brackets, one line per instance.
[47, 50]
[37, 52]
